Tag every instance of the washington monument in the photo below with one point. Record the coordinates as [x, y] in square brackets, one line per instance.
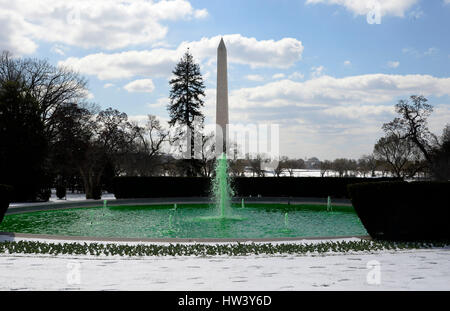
[222, 99]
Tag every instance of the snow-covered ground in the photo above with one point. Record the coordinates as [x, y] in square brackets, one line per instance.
[427, 269]
[71, 197]
[309, 173]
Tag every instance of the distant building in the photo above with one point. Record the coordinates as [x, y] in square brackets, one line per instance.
[312, 163]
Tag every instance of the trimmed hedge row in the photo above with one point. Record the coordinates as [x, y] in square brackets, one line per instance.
[403, 211]
[161, 187]
[237, 249]
[5, 198]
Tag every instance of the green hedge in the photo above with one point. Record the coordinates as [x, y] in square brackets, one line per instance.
[231, 249]
[160, 187]
[5, 198]
[403, 211]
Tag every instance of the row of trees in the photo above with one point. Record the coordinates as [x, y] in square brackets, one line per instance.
[52, 136]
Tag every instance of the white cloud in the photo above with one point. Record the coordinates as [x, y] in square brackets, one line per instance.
[347, 63]
[359, 111]
[256, 78]
[393, 64]
[108, 85]
[278, 76]
[412, 51]
[416, 14]
[431, 51]
[363, 7]
[108, 24]
[248, 51]
[58, 49]
[296, 76]
[201, 13]
[333, 117]
[160, 103]
[14, 34]
[317, 71]
[327, 91]
[141, 86]
[88, 95]
[160, 62]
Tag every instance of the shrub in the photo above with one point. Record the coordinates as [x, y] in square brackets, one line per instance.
[403, 211]
[5, 198]
[160, 187]
[43, 195]
[97, 193]
[61, 192]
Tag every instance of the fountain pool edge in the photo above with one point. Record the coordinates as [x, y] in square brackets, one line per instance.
[162, 201]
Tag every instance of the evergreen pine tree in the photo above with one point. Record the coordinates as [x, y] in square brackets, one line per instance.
[186, 100]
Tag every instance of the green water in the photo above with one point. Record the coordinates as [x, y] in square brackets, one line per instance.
[190, 221]
[222, 191]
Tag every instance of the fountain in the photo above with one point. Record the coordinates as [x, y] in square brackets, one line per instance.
[221, 189]
[170, 221]
[160, 220]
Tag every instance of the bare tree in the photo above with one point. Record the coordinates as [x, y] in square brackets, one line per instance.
[402, 156]
[106, 139]
[256, 165]
[412, 125]
[281, 167]
[290, 165]
[208, 154]
[325, 166]
[153, 136]
[51, 86]
[237, 167]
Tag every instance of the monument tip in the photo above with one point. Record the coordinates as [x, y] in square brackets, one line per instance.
[222, 43]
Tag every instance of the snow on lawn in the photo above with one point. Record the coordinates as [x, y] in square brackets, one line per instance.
[71, 197]
[426, 269]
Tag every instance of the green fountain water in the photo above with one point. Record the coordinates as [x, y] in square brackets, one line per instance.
[222, 191]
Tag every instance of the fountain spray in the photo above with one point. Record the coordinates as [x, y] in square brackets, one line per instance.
[221, 187]
[170, 221]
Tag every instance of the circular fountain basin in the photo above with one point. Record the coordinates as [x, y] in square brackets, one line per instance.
[190, 221]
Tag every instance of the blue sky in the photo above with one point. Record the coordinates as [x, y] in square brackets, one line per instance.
[316, 67]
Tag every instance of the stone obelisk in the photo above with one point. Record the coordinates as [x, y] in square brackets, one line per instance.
[222, 99]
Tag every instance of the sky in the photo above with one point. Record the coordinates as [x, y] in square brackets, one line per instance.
[328, 72]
